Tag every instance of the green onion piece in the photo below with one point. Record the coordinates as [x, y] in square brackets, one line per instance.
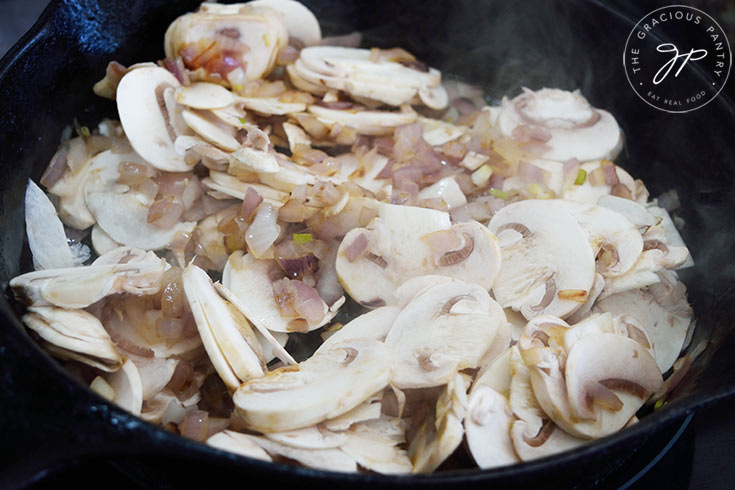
[581, 177]
[301, 238]
[84, 131]
[659, 403]
[498, 193]
[238, 87]
[242, 120]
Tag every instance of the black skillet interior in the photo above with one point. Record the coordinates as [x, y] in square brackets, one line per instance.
[45, 82]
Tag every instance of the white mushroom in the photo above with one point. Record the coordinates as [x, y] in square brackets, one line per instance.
[442, 431]
[487, 427]
[441, 331]
[548, 265]
[375, 446]
[404, 242]
[101, 241]
[122, 212]
[374, 324]
[447, 190]
[79, 287]
[358, 73]
[226, 334]
[146, 119]
[212, 129]
[370, 122]
[249, 280]
[437, 132]
[247, 158]
[233, 187]
[271, 105]
[46, 236]
[250, 36]
[574, 128]
[333, 459]
[324, 386]
[300, 21]
[127, 387]
[77, 332]
[204, 95]
[237, 443]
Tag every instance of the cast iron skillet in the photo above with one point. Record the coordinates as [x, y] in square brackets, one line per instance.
[45, 81]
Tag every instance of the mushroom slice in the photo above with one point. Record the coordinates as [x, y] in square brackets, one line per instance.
[237, 443]
[442, 330]
[101, 241]
[324, 386]
[204, 95]
[358, 72]
[333, 459]
[487, 427]
[145, 119]
[666, 328]
[575, 129]
[127, 387]
[226, 334]
[233, 187]
[374, 445]
[374, 123]
[122, 212]
[212, 129]
[531, 443]
[548, 265]
[603, 178]
[249, 280]
[254, 160]
[77, 332]
[300, 21]
[374, 324]
[442, 431]
[615, 241]
[404, 242]
[271, 105]
[496, 374]
[296, 136]
[312, 437]
[674, 243]
[79, 287]
[244, 39]
[46, 236]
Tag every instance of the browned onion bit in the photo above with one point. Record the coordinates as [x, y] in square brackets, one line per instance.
[578, 295]
[621, 190]
[195, 425]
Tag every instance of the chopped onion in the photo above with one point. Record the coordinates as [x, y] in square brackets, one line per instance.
[165, 212]
[264, 230]
[195, 425]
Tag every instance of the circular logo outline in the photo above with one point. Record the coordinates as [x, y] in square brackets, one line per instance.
[650, 14]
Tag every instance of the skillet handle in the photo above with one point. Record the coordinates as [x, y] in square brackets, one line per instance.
[48, 419]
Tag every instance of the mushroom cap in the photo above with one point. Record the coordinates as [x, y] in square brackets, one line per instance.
[548, 257]
[237, 443]
[442, 330]
[399, 247]
[141, 110]
[122, 212]
[128, 387]
[46, 236]
[300, 22]
[577, 129]
[547, 440]
[227, 337]
[487, 428]
[324, 386]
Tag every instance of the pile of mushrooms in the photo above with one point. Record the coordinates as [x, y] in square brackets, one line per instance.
[296, 250]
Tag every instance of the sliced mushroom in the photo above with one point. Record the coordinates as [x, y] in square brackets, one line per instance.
[576, 129]
[437, 132]
[233, 187]
[548, 265]
[77, 332]
[374, 123]
[212, 129]
[226, 334]
[79, 287]
[487, 427]
[333, 459]
[122, 212]
[374, 324]
[615, 241]
[127, 387]
[549, 439]
[101, 241]
[666, 328]
[249, 280]
[312, 437]
[271, 105]
[237, 443]
[204, 95]
[356, 72]
[300, 21]
[254, 160]
[442, 330]
[324, 386]
[402, 243]
[442, 431]
[375, 446]
[146, 119]
[495, 375]
[46, 236]
[603, 178]
[244, 39]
